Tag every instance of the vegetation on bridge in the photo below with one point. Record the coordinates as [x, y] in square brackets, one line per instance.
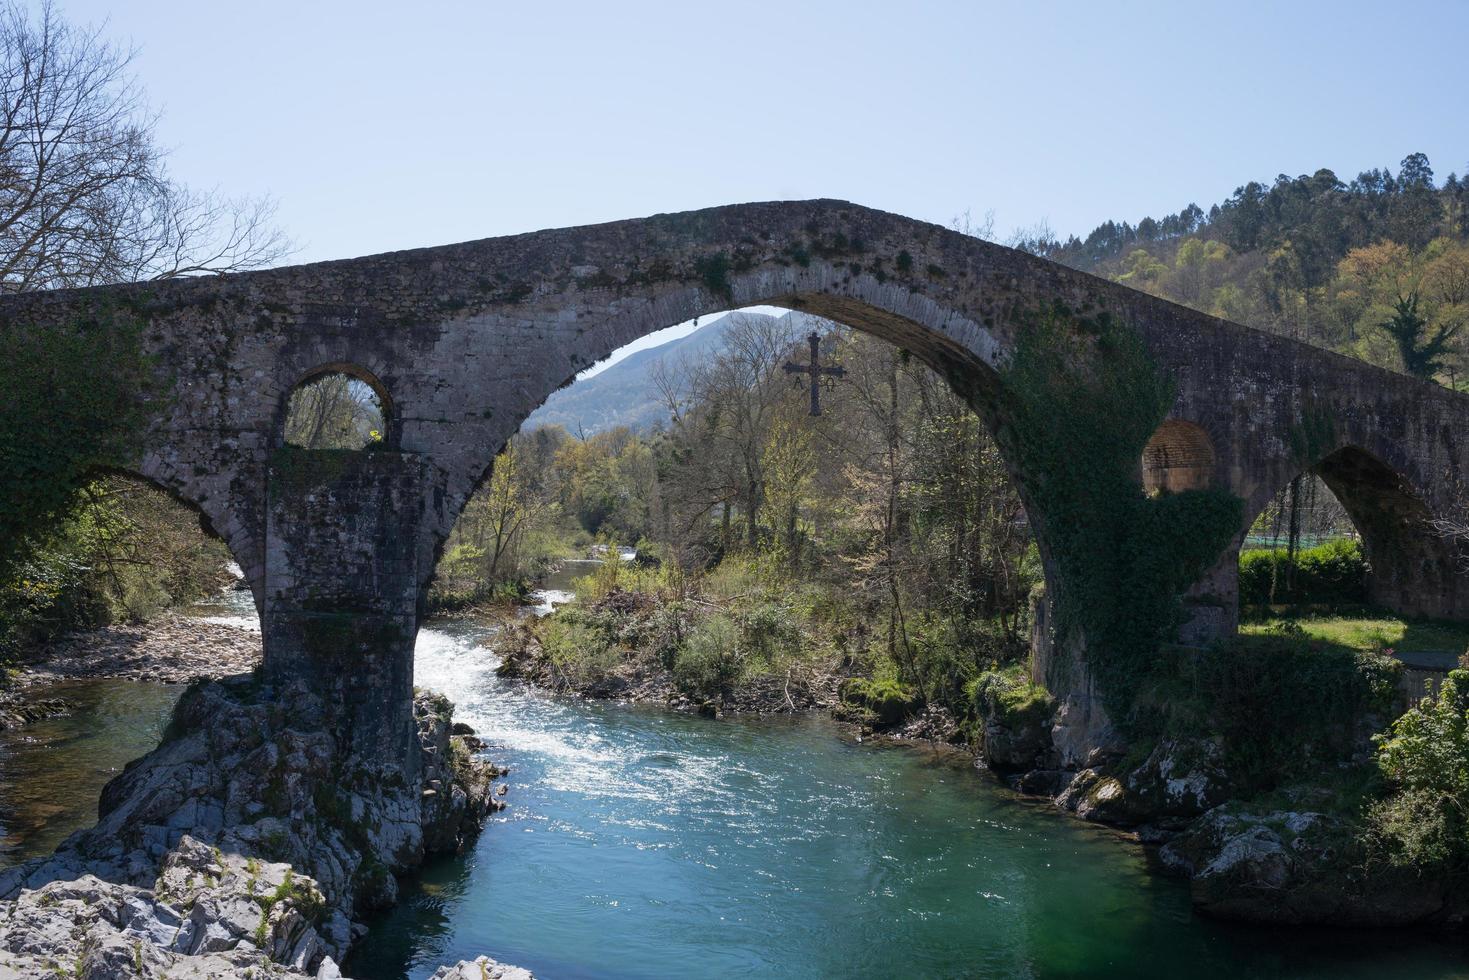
[1076, 427]
[76, 547]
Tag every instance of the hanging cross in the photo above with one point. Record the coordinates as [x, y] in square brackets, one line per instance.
[814, 369]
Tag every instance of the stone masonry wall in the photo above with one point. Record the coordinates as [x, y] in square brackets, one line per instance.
[466, 340]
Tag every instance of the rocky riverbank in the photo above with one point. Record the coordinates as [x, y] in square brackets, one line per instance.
[171, 650]
[16, 709]
[246, 844]
[1299, 854]
[647, 680]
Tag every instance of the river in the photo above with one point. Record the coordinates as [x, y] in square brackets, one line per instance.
[640, 843]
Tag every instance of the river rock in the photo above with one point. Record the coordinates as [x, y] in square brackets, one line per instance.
[247, 838]
[1010, 748]
[1299, 867]
[933, 723]
[481, 968]
[171, 650]
[1095, 795]
[210, 914]
[1042, 782]
[16, 710]
[1181, 778]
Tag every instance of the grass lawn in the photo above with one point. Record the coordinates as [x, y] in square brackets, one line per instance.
[1370, 632]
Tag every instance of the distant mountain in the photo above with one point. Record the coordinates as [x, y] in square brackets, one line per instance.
[625, 394]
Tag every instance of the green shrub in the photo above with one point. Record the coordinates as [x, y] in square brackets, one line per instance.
[1009, 697]
[1425, 757]
[1418, 828]
[662, 632]
[47, 594]
[1334, 573]
[582, 645]
[947, 653]
[709, 660]
[769, 633]
[1284, 705]
[887, 698]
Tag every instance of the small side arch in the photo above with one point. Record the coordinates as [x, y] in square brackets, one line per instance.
[1179, 456]
[1412, 569]
[380, 421]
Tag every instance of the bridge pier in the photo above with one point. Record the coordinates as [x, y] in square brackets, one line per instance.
[342, 574]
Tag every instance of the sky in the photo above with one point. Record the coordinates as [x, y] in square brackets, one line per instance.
[387, 125]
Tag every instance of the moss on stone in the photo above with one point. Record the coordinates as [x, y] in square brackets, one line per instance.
[1078, 407]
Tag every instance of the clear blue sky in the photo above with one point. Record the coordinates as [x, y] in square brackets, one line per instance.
[381, 126]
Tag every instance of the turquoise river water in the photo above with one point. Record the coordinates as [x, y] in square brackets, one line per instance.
[640, 843]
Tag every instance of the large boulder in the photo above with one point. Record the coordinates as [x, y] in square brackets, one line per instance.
[1017, 718]
[457, 794]
[1099, 797]
[1181, 778]
[210, 914]
[481, 968]
[1299, 867]
[1015, 747]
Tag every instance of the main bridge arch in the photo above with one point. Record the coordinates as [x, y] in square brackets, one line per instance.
[466, 340]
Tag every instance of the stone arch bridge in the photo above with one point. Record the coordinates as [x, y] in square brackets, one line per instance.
[464, 341]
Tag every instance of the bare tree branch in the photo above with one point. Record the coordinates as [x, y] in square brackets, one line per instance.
[85, 197]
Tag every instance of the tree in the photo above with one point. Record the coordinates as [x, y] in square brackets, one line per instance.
[731, 403]
[507, 509]
[790, 464]
[1416, 212]
[1421, 350]
[85, 197]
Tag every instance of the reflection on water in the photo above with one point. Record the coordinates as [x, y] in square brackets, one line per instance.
[52, 771]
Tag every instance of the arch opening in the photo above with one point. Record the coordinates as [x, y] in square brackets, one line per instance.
[1302, 550]
[727, 494]
[131, 550]
[1411, 569]
[337, 406]
[1350, 539]
[1179, 456]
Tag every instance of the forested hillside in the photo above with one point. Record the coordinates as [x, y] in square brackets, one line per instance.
[1376, 267]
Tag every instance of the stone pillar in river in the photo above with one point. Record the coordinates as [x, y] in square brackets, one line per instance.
[342, 574]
